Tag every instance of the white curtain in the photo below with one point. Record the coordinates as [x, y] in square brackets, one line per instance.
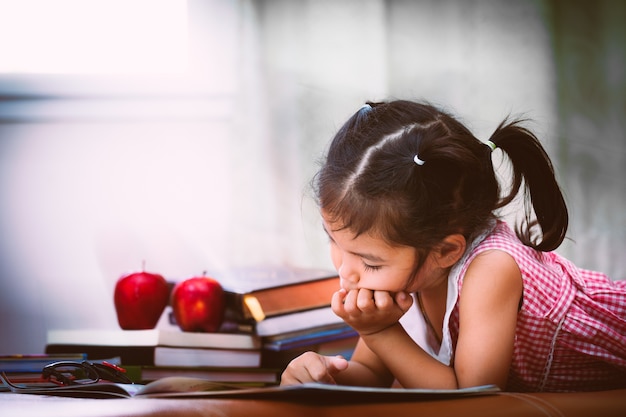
[218, 177]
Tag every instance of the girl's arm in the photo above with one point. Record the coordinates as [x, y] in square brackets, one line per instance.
[408, 363]
[489, 304]
[488, 314]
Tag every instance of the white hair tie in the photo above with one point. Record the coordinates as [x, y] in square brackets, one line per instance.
[417, 160]
[492, 145]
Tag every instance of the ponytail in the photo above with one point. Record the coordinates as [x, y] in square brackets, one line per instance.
[533, 170]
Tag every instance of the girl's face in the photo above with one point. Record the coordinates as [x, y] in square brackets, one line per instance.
[369, 262]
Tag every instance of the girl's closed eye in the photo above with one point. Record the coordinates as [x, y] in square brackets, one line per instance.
[367, 267]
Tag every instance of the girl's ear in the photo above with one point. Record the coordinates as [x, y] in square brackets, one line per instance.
[451, 250]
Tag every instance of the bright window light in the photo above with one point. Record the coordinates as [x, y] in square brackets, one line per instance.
[93, 37]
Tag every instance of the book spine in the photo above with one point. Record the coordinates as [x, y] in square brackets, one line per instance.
[235, 307]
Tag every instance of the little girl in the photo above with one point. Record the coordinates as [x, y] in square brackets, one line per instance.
[442, 292]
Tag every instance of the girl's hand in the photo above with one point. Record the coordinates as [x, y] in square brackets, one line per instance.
[368, 311]
[313, 367]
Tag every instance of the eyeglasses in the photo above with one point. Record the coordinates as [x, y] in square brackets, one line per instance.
[67, 373]
[80, 373]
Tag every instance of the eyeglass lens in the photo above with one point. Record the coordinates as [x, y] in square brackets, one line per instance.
[68, 373]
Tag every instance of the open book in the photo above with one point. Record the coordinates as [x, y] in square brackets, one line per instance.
[184, 387]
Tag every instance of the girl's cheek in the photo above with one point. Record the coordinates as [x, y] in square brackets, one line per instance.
[382, 282]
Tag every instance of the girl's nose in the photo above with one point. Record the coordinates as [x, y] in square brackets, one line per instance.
[348, 273]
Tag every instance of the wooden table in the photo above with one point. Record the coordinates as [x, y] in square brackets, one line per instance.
[595, 404]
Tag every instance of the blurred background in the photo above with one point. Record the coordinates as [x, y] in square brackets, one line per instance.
[184, 134]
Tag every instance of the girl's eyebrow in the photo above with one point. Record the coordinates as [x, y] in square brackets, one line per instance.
[368, 256]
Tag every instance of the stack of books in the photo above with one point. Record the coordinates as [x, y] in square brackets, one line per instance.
[272, 301]
[152, 354]
[273, 315]
[289, 310]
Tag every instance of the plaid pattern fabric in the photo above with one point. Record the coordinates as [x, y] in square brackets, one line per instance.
[571, 328]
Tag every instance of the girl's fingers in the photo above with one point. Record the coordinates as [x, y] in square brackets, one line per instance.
[312, 367]
[337, 302]
[350, 302]
[404, 300]
[365, 300]
[383, 299]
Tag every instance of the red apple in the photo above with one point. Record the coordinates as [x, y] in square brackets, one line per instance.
[198, 304]
[140, 298]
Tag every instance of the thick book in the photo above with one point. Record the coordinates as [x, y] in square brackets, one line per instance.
[297, 321]
[312, 393]
[173, 356]
[166, 356]
[153, 337]
[139, 347]
[257, 293]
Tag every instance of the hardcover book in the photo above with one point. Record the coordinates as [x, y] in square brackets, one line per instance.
[297, 321]
[154, 347]
[257, 293]
[173, 356]
[153, 337]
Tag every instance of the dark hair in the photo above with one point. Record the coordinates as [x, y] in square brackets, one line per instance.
[370, 181]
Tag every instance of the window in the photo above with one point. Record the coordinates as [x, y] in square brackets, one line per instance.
[93, 36]
[57, 48]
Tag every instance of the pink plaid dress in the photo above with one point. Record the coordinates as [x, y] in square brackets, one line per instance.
[571, 327]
